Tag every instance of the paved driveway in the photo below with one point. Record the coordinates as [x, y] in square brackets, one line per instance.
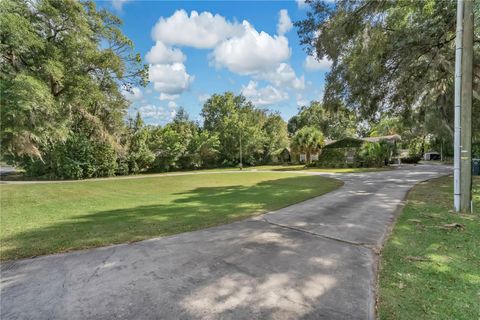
[312, 260]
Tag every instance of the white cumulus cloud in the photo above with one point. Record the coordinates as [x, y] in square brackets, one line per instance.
[202, 31]
[263, 96]
[240, 48]
[170, 79]
[301, 4]
[164, 96]
[283, 75]
[284, 23]
[133, 94]
[312, 64]
[301, 101]
[204, 97]
[118, 4]
[153, 114]
[161, 54]
[158, 114]
[172, 105]
[251, 53]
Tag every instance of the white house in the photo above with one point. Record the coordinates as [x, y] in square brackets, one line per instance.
[313, 157]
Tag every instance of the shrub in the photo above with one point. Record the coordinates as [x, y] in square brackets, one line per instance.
[330, 156]
[476, 150]
[122, 167]
[77, 158]
[374, 154]
[411, 159]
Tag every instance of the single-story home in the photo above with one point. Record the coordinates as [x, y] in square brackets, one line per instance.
[349, 146]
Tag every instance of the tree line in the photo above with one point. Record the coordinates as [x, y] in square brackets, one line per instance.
[65, 66]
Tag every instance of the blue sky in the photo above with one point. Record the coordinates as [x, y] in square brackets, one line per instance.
[197, 48]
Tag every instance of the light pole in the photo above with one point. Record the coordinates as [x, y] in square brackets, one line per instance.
[241, 164]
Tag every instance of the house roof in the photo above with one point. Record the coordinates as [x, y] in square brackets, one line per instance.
[390, 138]
[343, 143]
[279, 151]
[356, 142]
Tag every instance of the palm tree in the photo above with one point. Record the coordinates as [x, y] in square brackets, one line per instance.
[308, 140]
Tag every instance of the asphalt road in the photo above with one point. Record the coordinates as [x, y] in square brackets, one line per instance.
[312, 260]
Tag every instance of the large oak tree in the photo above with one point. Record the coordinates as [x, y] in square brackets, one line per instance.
[390, 57]
[63, 67]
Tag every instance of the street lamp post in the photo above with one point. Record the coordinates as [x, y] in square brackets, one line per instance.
[241, 164]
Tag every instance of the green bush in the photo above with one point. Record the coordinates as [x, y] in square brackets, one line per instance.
[122, 167]
[104, 159]
[417, 146]
[369, 154]
[77, 158]
[330, 156]
[374, 154]
[411, 160]
[140, 160]
[476, 150]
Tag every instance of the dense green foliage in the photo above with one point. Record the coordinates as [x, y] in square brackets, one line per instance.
[308, 140]
[429, 270]
[411, 159]
[64, 65]
[334, 157]
[139, 157]
[56, 217]
[336, 124]
[182, 144]
[233, 118]
[374, 154]
[228, 121]
[76, 158]
[356, 153]
[391, 58]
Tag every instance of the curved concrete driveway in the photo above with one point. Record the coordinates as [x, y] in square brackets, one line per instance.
[312, 260]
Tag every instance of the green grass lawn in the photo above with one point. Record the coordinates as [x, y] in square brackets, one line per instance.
[428, 270]
[46, 218]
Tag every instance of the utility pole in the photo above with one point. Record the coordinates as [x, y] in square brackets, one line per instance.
[466, 110]
[441, 151]
[241, 164]
[458, 93]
